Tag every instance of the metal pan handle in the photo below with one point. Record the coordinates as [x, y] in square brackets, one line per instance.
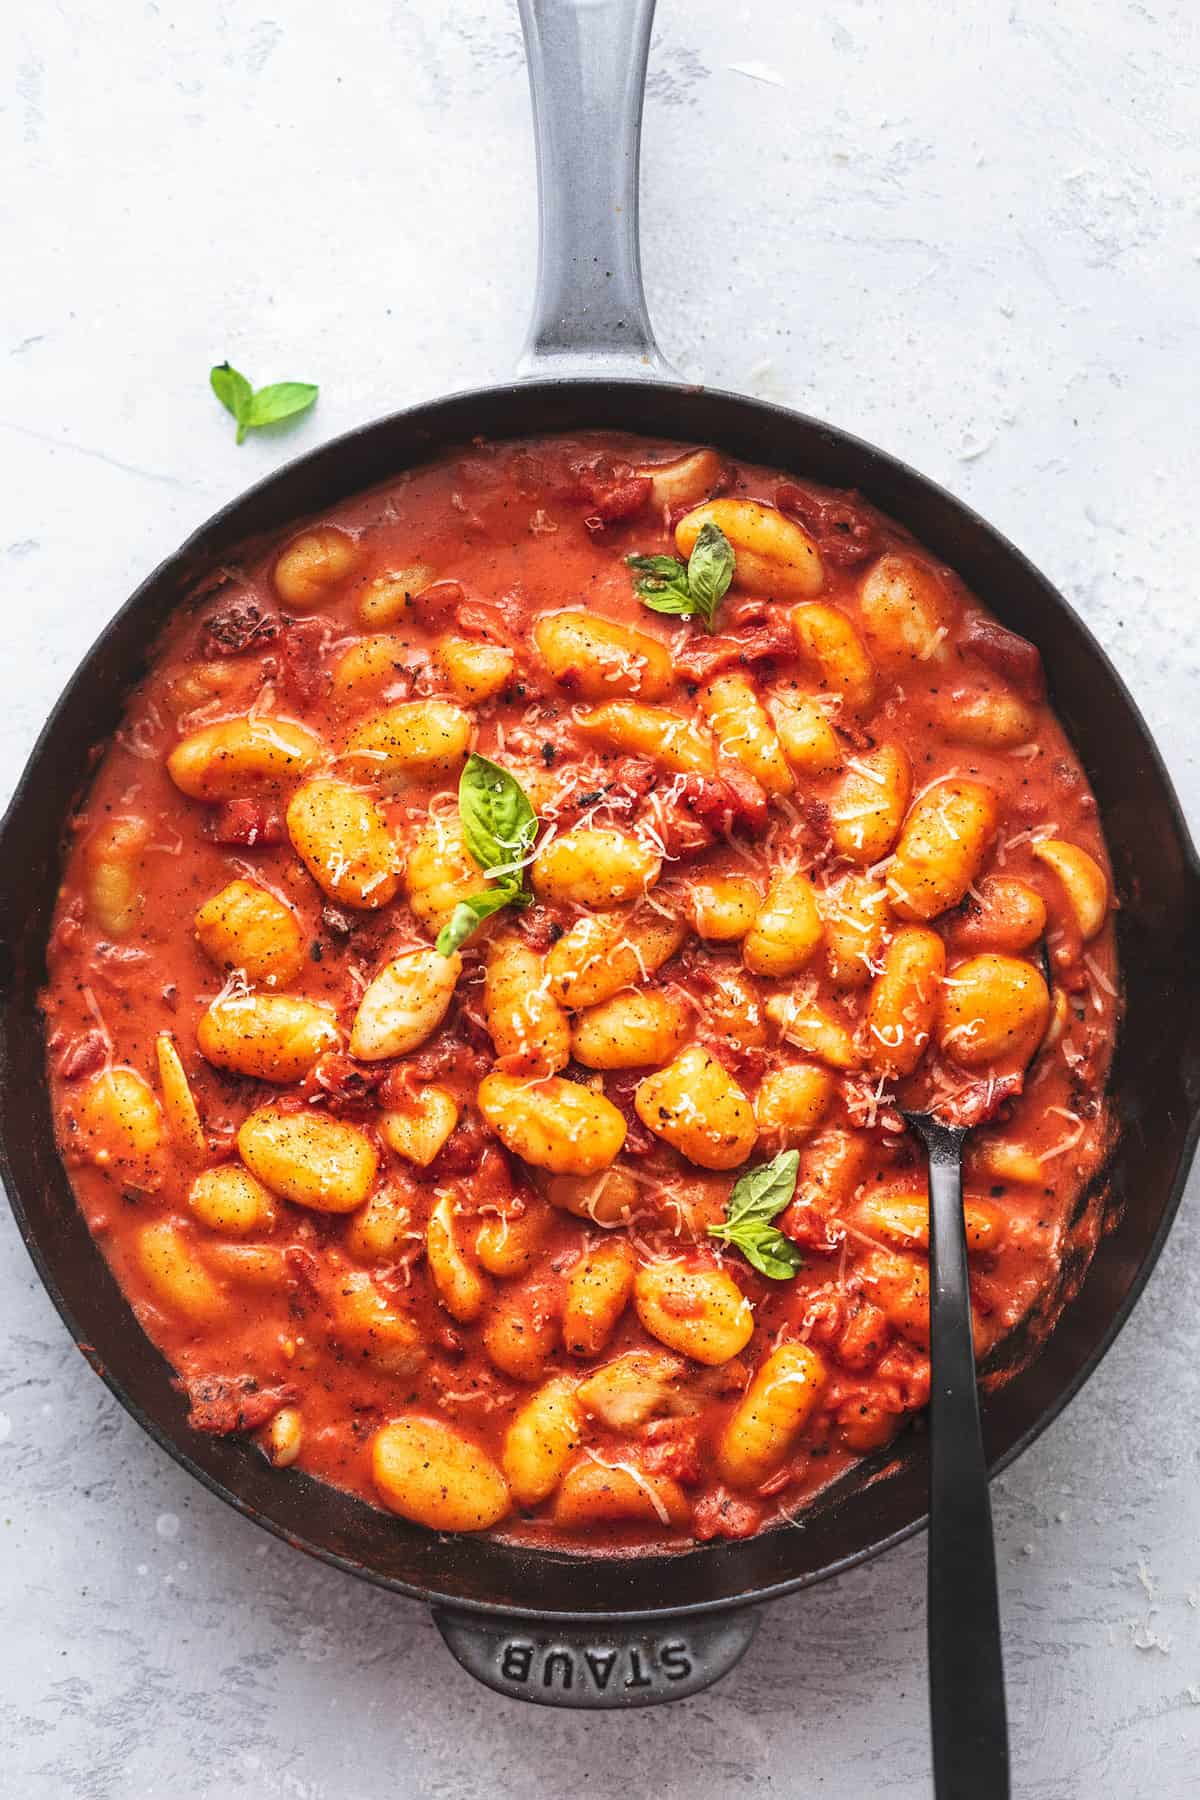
[606, 1666]
[587, 74]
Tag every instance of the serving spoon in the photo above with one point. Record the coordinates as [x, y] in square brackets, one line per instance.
[968, 1715]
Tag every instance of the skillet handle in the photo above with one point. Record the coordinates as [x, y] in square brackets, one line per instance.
[605, 1666]
[587, 73]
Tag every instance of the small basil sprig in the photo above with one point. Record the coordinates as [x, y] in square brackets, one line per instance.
[499, 827]
[758, 1197]
[267, 406]
[664, 585]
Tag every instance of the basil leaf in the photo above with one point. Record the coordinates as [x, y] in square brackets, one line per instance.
[283, 400]
[695, 592]
[669, 601]
[763, 1192]
[498, 822]
[767, 1250]
[657, 570]
[468, 915]
[710, 571]
[757, 1197]
[233, 391]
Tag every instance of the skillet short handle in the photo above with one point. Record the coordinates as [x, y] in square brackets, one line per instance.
[601, 1667]
[587, 74]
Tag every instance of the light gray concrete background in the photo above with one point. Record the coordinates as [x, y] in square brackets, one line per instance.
[966, 231]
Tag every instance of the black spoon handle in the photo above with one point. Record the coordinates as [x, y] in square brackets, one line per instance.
[966, 1668]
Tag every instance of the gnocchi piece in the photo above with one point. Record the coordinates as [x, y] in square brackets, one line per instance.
[543, 1437]
[684, 480]
[177, 1278]
[386, 600]
[831, 1167]
[282, 1437]
[1060, 1018]
[594, 866]
[118, 1126]
[998, 1159]
[988, 721]
[899, 1286]
[600, 660]
[994, 1008]
[604, 952]
[594, 1492]
[313, 564]
[416, 741]
[370, 665]
[808, 739]
[184, 1125]
[606, 1199]
[460, 1287]
[520, 1333]
[773, 554]
[771, 1415]
[1007, 915]
[340, 836]
[696, 1106]
[867, 810]
[597, 1293]
[632, 1389]
[404, 1004]
[744, 731]
[381, 1229]
[417, 1128]
[311, 1160]
[906, 614]
[274, 1037]
[903, 1219]
[815, 1030]
[229, 1200]
[476, 671]
[787, 931]
[695, 1309]
[792, 1101]
[721, 908]
[250, 755]
[1084, 882]
[371, 1327]
[259, 1267]
[636, 1029]
[732, 1007]
[506, 1243]
[903, 1004]
[830, 645]
[113, 874]
[654, 731]
[524, 1019]
[855, 913]
[246, 927]
[437, 1476]
[942, 848]
[440, 872]
[554, 1124]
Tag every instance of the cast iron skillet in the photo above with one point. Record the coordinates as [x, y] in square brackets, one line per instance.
[552, 1627]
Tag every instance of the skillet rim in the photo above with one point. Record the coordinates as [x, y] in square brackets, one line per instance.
[871, 457]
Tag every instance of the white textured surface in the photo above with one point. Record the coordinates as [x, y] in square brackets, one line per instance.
[968, 232]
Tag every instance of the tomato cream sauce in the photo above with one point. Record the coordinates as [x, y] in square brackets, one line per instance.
[319, 1328]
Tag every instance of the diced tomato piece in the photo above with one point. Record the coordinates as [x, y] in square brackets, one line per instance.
[1014, 657]
[82, 1055]
[722, 1514]
[222, 1404]
[245, 822]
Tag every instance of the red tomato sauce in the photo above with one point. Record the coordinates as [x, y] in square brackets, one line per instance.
[338, 1320]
